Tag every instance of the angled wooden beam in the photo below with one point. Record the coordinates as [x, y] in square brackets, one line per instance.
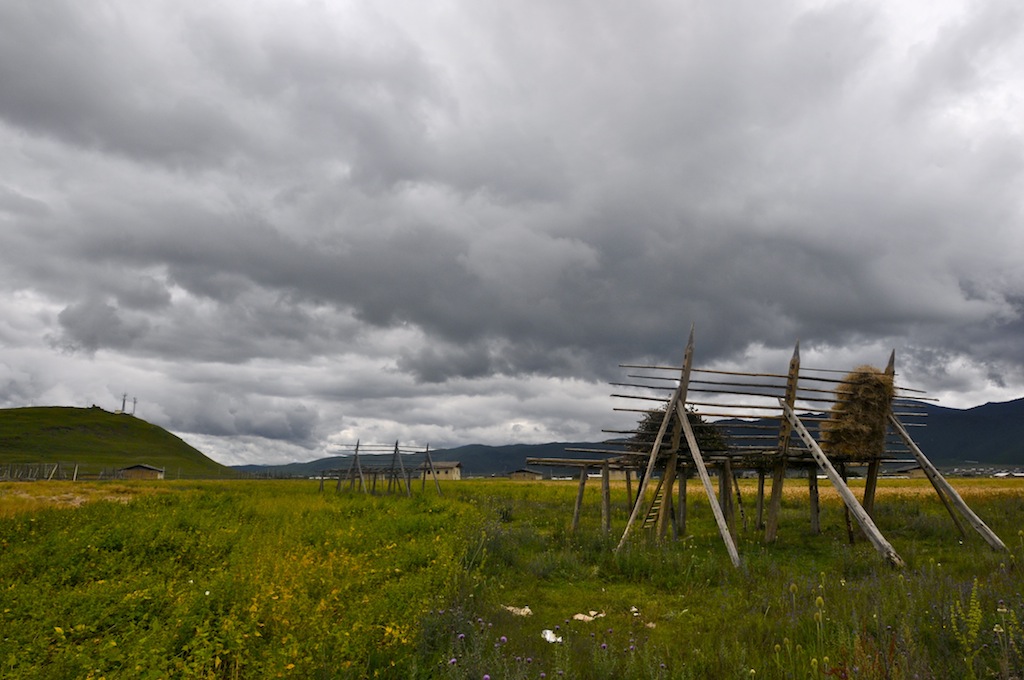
[433, 472]
[862, 517]
[702, 470]
[939, 482]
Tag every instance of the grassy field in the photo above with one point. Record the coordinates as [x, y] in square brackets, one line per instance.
[258, 579]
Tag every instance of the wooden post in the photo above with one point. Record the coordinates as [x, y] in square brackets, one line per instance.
[812, 489]
[321, 481]
[846, 512]
[875, 464]
[606, 499]
[667, 481]
[739, 500]
[865, 521]
[579, 500]
[75, 477]
[725, 495]
[771, 527]
[785, 429]
[678, 397]
[401, 468]
[939, 482]
[760, 499]
[681, 509]
[870, 485]
[629, 488]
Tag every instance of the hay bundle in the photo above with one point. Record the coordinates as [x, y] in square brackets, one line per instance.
[855, 429]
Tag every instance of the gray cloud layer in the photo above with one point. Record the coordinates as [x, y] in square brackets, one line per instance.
[289, 225]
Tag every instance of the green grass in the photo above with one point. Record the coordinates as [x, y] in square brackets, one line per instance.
[265, 579]
[97, 439]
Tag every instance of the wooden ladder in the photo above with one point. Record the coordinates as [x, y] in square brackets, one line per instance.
[652, 515]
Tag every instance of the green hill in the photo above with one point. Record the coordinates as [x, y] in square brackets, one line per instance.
[97, 440]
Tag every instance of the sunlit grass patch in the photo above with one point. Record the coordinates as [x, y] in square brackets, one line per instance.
[20, 497]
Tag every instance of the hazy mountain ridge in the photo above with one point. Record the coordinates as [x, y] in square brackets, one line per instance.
[990, 434]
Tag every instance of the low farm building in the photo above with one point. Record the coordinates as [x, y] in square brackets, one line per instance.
[444, 469]
[525, 475]
[141, 471]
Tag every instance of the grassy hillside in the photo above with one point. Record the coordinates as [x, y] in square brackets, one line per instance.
[96, 439]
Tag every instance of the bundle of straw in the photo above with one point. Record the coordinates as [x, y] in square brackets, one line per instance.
[855, 429]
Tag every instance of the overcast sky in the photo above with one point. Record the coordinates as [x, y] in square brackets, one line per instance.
[283, 226]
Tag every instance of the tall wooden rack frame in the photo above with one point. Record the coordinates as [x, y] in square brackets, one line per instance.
[759, 417]
[395, 476]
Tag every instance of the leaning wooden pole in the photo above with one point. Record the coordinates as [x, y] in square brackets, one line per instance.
[679, 394]
[856, 509]
[941, 485]
[433, 472]
[702, 470]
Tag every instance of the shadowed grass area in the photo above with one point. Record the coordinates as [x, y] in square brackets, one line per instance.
[264, 579]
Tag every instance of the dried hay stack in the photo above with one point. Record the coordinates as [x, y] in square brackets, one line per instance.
[855, 429]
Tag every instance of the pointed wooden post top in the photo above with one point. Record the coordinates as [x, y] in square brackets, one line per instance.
[890, 369]
[796, 355]
[688, 354]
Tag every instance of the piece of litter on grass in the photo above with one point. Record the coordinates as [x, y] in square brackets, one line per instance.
[550, 636]
[586, 618]
[519, 611]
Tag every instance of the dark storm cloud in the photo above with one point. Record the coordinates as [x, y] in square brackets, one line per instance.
[432, 220]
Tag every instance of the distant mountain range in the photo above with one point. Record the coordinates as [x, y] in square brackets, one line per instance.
[987, 435]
